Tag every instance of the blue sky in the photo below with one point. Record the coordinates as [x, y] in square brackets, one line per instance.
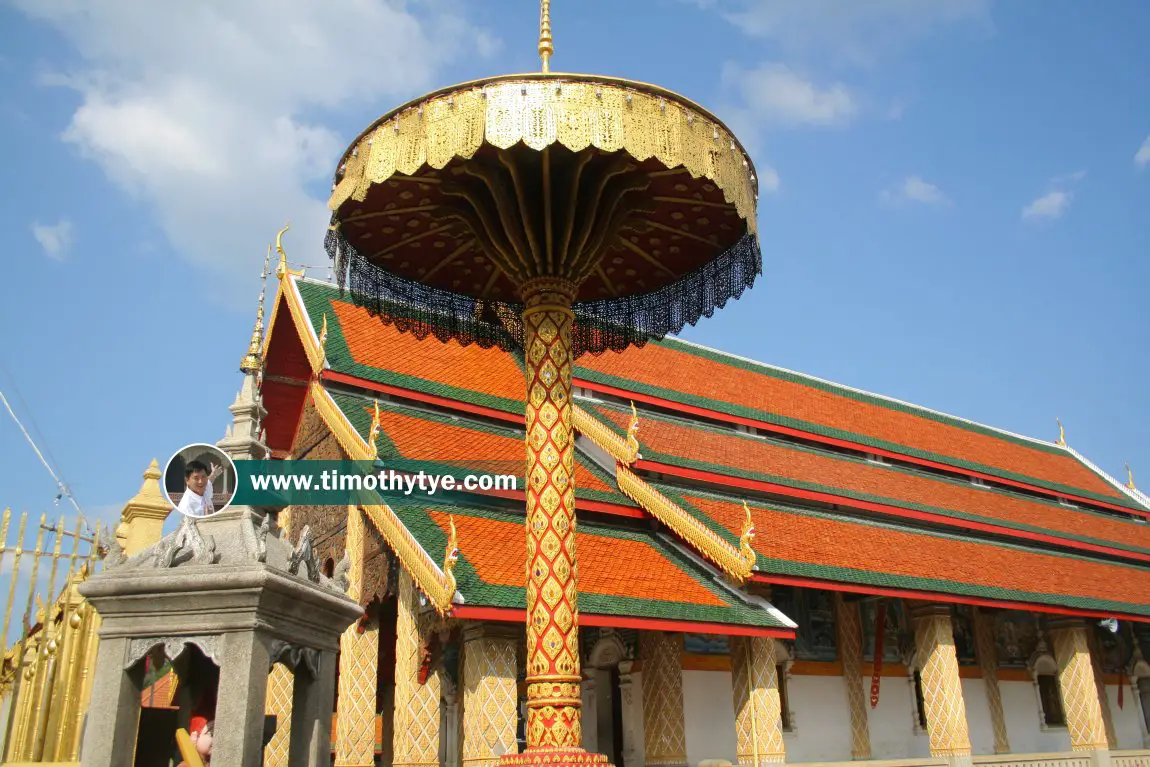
[956, 206]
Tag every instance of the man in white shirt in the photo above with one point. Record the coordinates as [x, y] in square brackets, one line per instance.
[197, 498]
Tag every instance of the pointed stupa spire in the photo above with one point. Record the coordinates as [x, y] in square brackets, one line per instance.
[546, 46]
[253, 362]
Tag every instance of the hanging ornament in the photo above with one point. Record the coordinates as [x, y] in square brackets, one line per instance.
[879, 636]
[1121, 688]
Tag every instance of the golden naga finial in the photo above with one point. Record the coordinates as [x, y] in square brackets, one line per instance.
[746, 551]
[323, 335]
[282, 268]
[632, 432]
[1061, 433]
[253, 362]
[546, 46]
[450, 557]
[1130, 478]
[376, 425]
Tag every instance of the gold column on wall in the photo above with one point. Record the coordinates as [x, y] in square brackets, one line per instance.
[358, 664]
[944, 705]
[1080, 702]
[416, 720]
[1100, 683]
[281, 685]
[490, 694]
[984, 637]
[758, 707]
[848, 634]
[664, 727]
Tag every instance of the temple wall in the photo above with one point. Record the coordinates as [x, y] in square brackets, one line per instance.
[1127, 720]
[815, 702]
[892, 730]
[709, 714]
[1020, 706]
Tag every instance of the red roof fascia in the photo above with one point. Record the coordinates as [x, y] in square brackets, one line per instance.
[431, 399]
[512, 615]
[896, 511]
[765, 426]
[934, 596]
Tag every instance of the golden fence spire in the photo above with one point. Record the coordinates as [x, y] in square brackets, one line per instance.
[546, 46]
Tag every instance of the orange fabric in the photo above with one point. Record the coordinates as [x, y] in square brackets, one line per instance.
[838, 543]
[421, 439]
[663, 367]
[614, 567]
[766, 458]
[373, 343]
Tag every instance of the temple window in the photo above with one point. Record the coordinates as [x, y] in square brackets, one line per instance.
[1044, 670]
[784, 698]
[919, 704]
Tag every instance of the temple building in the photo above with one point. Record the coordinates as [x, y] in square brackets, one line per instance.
[773, 567]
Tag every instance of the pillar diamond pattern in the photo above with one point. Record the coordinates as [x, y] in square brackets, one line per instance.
[1100, 683]
[758, 708]
[416, 722]
[664, 729]
[489, 699]
[280, 688]
[358, 666]
[941, 686]
[1079, 693]
[988, 661]
[848, 628]
[553, 699]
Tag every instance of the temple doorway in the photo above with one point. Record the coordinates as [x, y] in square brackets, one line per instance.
[605, 700]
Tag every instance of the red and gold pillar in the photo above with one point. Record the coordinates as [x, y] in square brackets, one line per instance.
[554, 732]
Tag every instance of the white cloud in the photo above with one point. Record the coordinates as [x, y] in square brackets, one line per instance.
[1142, 157]
[1054, 203]
[775, 93]
[914, 189]
[56, 239]
[849, 32]
[1049, 205]
[213, 112]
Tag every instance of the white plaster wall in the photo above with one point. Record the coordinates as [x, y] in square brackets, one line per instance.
[821, 719]
[1127, 720]
[709, 715]
[978, 721]
[1023, 728]
[892, 733]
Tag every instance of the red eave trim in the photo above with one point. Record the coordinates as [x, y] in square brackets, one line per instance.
[431, 399]
[776, 428]
[934, 596]
[896, 511]
[512, 615]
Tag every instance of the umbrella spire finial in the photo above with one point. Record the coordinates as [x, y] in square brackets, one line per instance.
[546, 46]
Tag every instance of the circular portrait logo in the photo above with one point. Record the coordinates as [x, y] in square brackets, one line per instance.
[200, 480]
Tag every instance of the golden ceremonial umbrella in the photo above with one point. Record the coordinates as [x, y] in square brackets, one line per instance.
[600, 211]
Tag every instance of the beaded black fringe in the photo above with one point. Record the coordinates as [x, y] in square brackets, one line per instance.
[608, 325]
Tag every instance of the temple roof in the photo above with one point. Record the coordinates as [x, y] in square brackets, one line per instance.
[720, 455]
[807, 545]
[848, 489]
[623, 573]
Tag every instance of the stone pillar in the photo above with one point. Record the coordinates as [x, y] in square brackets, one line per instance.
[416, 741]
[984, 637]
[313, 701]
[848, 635]
[1100, 683]
[490, 696]
[358, 664]
[110, 732]
[244, 663]
[632, 716]
[758, 707]
[942, 698]
[664, 729]
[279, 697]
[1080, 702]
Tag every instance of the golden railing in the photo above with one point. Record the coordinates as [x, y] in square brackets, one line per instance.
[46, 658]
